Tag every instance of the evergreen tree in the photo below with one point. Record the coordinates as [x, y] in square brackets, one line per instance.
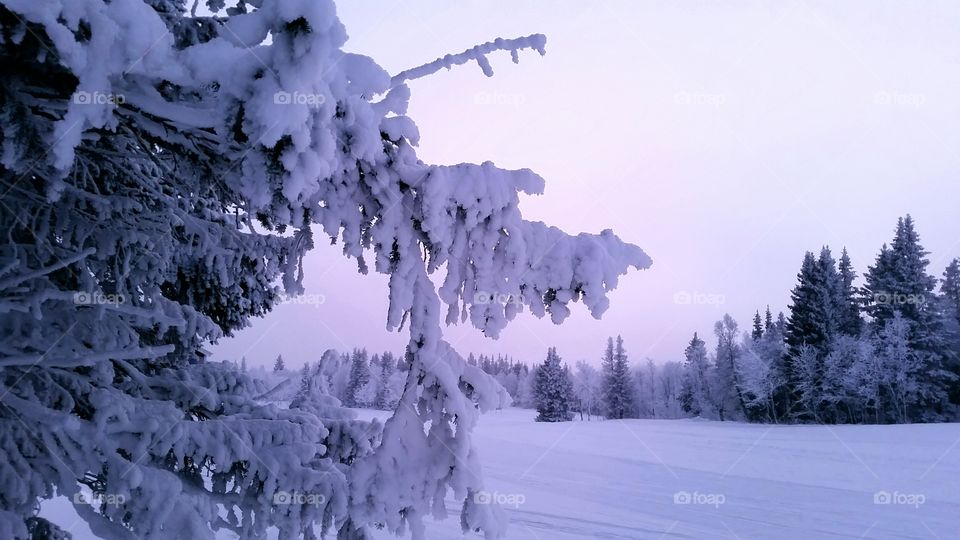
[950, 289]
[950, 313]
[694, 392]
[618, 389]
[243, 364]
[757, 326]
[359, 378]
[768, 320]
[553, 390]
[189, 205]
[278, 365]
[807, 323]
[384, 398]
[898, 285]
[851, 323]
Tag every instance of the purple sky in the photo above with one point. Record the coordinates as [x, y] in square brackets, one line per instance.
[724, 140]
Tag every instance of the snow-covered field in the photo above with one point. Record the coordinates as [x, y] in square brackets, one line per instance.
[628, 479]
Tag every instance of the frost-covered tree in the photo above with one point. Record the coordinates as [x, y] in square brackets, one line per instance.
[898, 285]
[645, 387]
[727, 392]
[358, 379]
[760, 376]
[278, 364]
[588, 389]
[162, 176]
[552, 390]
[617, 383]
[385, 395]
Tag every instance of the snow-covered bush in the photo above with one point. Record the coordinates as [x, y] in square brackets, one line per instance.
[161, 173]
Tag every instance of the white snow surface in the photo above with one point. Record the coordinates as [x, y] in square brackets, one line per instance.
[618, 479]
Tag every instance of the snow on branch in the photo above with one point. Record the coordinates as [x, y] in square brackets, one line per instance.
[479, 53]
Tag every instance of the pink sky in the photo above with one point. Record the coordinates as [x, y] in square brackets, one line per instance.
[725, 140]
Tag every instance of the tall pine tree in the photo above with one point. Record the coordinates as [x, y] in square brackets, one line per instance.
[618, 388]
[898, 286]
[757, 326]
[694, 395]
[851, 323]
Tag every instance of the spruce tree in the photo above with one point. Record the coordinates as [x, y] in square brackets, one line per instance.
[898, 285]
[552, 390]
[359, 377]
[806, 324]
[757, 326]
[278, 365]
[950, 313]
[851, 323]
[768, 320]
[384, 397]
[694, 389]
[618, 390]
[950, 290]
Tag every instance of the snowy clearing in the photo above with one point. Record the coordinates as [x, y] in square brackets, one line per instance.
[618, 479]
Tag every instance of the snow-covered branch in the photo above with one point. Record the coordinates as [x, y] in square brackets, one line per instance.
[479, 53]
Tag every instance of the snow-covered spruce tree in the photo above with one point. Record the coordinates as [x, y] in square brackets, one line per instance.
[387, 367]
[898, 283]
[757, 331]
[278, 365]
[950, 310]
[617, 383]
[851, 321]
[160, 177]
[358, 380]
[694, 391]
[552, 390]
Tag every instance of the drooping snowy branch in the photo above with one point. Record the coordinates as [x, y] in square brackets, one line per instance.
[479, 53]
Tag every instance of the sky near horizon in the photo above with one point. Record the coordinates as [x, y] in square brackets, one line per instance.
[724, 138]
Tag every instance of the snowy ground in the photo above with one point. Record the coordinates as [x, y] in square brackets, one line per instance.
[619, 479]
